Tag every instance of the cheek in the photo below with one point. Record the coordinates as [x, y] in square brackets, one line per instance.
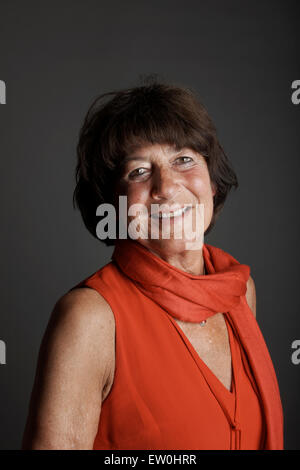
[199, 184]
[136, 193]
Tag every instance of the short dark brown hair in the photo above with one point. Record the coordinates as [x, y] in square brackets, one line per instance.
[118, 122]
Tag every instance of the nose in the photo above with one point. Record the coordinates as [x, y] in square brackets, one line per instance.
[165, 185]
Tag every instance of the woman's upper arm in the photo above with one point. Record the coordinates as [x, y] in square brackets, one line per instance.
[75, 362]
[251, 295]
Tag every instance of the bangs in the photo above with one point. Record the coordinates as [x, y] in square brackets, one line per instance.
[153, 121]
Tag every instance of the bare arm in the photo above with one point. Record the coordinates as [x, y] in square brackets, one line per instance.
[75, 365]
[251, 295]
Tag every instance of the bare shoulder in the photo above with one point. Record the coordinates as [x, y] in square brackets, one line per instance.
[251, 295]
[86, 307]
[84, 312]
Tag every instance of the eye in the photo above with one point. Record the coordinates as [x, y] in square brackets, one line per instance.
[139, 172]
[184, 159]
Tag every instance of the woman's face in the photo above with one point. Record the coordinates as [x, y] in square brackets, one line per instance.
[160, 174]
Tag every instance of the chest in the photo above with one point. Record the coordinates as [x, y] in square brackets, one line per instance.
[211, 343]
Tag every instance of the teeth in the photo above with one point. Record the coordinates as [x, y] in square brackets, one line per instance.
[163, 215]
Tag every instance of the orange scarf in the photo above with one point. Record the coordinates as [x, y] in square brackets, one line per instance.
[185, 296]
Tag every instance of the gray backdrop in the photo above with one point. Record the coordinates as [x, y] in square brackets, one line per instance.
[56, 57]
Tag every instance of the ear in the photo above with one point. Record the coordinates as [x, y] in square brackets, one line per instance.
[214, 189]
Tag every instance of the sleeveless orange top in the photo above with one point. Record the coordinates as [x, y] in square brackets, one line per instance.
[163, 395]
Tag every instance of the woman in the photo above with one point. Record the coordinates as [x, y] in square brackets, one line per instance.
[159, 349]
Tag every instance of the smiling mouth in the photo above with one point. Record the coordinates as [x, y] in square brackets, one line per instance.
[173, 214]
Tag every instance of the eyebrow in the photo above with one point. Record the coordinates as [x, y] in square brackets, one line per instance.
[130, 158]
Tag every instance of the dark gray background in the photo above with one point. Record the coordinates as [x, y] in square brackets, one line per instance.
[56, 57]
